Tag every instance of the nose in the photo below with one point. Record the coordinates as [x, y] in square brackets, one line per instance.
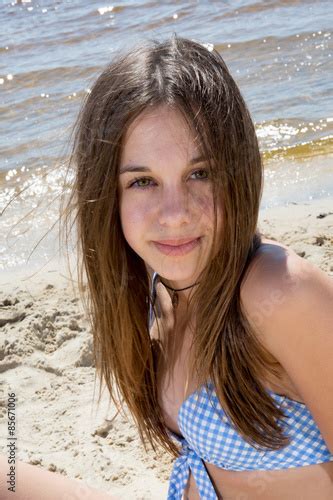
[174, 209]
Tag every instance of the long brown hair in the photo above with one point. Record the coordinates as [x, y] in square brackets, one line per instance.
[194, 80]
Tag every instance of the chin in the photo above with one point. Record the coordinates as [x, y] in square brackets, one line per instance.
[181, 275]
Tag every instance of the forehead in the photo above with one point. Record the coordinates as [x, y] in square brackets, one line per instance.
[161, 129]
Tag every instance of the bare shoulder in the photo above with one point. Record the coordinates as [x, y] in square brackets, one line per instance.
[272, 270]
[278, 282]
[289, 303]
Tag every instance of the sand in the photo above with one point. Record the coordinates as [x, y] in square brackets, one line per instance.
[46, 359]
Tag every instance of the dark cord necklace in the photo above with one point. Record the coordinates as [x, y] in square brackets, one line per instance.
[175, 298]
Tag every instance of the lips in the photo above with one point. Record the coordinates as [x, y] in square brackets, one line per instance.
[176, 243]
[177, 250]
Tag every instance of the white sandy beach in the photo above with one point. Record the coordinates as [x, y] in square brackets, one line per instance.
[46, 359]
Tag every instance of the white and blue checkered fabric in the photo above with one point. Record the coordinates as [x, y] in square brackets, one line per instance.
[210, 436]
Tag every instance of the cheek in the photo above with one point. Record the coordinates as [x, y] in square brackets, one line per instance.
[133, 217]
[203, 201]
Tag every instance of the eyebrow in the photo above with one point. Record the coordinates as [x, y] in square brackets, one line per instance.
[142, 168]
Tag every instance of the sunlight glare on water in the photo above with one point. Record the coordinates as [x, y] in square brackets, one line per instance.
[280, 54]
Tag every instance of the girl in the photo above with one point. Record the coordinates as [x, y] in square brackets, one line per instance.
[218, 340]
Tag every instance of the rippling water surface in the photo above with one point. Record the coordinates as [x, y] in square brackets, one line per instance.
[279, 51]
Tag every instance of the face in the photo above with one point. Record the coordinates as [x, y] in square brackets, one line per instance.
[166, 199]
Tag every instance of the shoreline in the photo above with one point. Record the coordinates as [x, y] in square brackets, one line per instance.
[46, 359]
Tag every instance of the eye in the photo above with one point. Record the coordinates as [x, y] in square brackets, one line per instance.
[202, 174]
[137, 182]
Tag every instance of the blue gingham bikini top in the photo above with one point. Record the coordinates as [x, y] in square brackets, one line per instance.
[209, 435]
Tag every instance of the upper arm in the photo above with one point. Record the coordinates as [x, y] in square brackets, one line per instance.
[289, 303]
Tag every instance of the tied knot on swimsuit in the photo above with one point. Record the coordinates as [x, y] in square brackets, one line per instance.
[189, 462]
